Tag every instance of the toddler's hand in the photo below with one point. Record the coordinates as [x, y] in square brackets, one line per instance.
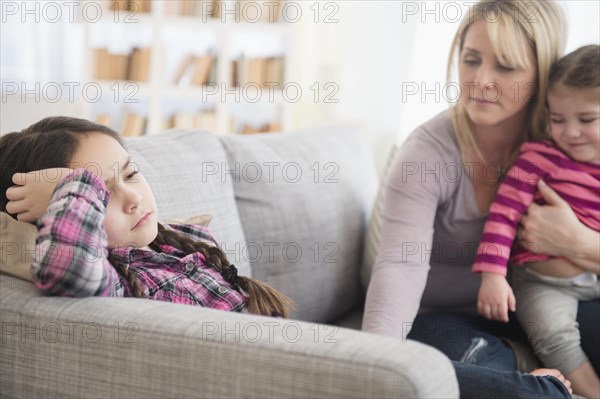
[30, 196]
[496, 297]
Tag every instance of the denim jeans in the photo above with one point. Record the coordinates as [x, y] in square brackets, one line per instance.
[588, 317]
[469, 339]
[485, 365]
[478, 382]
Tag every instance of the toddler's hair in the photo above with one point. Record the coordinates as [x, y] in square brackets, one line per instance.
[52, 143]
[579, 69]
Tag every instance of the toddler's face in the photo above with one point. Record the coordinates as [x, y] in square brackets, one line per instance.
[575, 121]
[131, 213]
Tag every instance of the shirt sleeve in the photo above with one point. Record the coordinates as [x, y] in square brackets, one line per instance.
[412, 193]
[510, 204]
[71, 257]
[195, 232]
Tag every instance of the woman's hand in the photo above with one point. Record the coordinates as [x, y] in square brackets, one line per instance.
[551, 229]
[555, 230]
[496, 297]
[30, 196]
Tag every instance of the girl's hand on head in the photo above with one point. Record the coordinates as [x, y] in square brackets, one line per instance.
[30, 196]
[495, 298]
[552, 229]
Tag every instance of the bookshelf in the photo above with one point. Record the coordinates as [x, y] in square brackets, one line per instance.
[179, 63]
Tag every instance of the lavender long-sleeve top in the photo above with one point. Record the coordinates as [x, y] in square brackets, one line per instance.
[430, 232]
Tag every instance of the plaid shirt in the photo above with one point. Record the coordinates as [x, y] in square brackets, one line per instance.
[72, 254]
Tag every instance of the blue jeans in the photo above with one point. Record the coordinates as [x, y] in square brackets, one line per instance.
[478, 382]
[485, 365]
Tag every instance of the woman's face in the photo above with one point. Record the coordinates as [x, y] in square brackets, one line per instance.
[131, 213]
[492, 93]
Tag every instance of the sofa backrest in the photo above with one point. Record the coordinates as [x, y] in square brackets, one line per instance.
[304, 199]
[289, 209]
[177, 165]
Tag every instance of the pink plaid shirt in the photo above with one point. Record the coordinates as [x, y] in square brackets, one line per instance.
[72, 254]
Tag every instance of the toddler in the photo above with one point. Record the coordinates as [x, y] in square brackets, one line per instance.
[547, 289]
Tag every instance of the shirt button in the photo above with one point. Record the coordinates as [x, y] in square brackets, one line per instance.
[223, 290]
[189, 267]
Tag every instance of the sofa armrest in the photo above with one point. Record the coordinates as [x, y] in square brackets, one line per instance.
[127, 347]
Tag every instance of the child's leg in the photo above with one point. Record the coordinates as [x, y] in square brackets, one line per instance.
[547, 312]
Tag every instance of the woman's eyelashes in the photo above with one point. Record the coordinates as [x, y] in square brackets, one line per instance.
[500, 67]
[471, 61]
[504, 68]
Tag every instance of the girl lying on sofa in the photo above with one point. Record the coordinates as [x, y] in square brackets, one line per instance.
[98, 228]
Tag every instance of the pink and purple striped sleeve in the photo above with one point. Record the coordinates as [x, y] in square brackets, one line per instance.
[512, 200]
[71, 257]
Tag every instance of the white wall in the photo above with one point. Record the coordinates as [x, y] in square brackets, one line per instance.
[372, 53]
[381, 49]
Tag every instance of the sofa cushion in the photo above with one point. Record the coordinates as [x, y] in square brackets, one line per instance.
[304, 199]
[177, 166]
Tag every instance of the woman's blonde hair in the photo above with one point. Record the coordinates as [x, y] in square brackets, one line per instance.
[513, 26]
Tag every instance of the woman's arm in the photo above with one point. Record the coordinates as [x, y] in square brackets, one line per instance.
[410, 202]
[556, 231]
[71, 253]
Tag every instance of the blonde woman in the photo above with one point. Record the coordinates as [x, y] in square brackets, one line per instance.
[422, 287]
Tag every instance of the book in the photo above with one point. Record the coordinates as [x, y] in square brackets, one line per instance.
[120, 64]
[142, 6]
[273, 127]
[202, 69]
[274, 70]
[206, 120]
[101, 63]
[134, 125]
[257, 68]
[103, 119]
[139, 69]
[186, 63]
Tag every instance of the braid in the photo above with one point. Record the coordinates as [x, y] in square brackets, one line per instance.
[262, 299]
[136, 285]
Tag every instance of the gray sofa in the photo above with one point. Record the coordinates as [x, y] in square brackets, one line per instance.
[290, 209]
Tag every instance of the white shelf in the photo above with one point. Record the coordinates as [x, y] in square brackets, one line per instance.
[157, 91]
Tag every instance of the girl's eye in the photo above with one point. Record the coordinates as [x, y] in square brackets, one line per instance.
[130, 176]
[470, 62]
[556, 121]
[587, 120]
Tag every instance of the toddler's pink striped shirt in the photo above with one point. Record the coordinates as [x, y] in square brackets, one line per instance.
[578, 183]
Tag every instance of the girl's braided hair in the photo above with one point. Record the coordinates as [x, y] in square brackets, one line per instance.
[52, 142]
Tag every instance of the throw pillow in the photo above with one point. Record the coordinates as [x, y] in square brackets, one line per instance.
[17, 240]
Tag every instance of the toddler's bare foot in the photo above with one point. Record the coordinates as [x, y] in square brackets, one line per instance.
[553, 373]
